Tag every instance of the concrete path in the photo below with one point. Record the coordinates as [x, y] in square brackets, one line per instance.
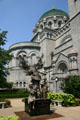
[17, 105]
[69, 113]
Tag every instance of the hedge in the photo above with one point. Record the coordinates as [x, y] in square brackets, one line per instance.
[14, 94]
[67, 99]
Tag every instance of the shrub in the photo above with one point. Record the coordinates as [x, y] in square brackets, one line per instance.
[23, 100]
[14, 94]
[71, 85]
[7, 95]
[77, 101]
[68, 99]
[7, 102]
[9, 118]
[13, 118]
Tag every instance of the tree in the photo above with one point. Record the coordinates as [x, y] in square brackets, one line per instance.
[71, 85]
[4, 59]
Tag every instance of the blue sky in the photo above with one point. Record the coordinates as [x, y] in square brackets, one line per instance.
[19, 17]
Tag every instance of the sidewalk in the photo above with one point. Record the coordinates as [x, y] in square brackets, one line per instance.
[17, 105]
[69, 113]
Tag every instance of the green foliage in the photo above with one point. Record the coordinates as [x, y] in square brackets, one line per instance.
[14, 94]
[67, 99]
[23, 100]
[7, 95]
[9, 118]
[7, 102]
[4, 59]
[77, 101]
[21, 91]
[71, 85]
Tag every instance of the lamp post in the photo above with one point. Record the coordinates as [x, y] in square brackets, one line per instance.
[56, 80]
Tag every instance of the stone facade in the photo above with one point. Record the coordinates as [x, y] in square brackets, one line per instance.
[56, 36]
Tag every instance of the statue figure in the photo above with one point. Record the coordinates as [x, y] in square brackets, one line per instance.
[38, 85]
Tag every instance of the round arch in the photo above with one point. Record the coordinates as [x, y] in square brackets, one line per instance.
[50, 23]
[41, 25]
[21, 52]
[33, 57]
[33, 52]
[62, 67]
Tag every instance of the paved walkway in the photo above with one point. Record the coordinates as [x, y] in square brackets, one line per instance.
[17, 105]
[69, 113]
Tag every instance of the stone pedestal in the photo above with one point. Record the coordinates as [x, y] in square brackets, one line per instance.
[37, 107]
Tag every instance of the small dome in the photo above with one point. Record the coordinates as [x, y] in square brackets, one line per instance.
[54, 12]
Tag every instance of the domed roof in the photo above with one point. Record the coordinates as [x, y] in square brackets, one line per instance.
[54, 12]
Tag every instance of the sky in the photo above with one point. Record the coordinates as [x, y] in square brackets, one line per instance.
[19, 17]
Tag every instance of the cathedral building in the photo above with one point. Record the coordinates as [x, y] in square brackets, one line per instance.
[56, 37]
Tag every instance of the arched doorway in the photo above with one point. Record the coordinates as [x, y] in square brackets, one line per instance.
[61, 73]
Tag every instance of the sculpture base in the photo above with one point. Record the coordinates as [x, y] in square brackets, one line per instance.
[38, 107]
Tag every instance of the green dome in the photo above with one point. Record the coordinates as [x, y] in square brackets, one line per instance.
[54, 12]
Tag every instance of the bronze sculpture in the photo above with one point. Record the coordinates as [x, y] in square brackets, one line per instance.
[38, 88]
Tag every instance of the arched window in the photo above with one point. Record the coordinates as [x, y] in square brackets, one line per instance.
[24, 84]
[33, 58]
[55, 23]
[19, 55]
[17, 84]
[19, 60]
[20, 84]
[63, 68]
[50, 24]
[59, 23]
[41, 26]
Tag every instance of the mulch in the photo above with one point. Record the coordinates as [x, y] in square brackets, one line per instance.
[25, 116]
